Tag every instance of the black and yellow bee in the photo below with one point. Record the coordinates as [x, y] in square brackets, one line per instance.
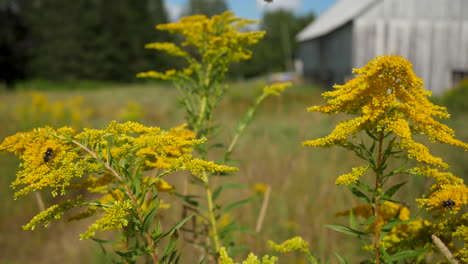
[48, 155]
[448, 204]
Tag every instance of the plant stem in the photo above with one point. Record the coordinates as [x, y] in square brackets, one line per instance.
[129, 192]
[245, 121]
[214, 229]
[378, 179]
[201, 115]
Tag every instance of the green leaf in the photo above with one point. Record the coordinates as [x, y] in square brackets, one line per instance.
[347, 230]
[390, 200]
[171, 246]
[407, 254]
[370, 135]
[359, 194]
[341, 260]
[384, 255]
[370, 220]
[148, 218]
[390, 192]
[101, 241]
[234, 205]
[129, 254]
[189, 199]
[227, 186]
[364, 186]
[174, 228]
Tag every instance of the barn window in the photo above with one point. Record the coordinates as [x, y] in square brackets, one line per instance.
[458, 76]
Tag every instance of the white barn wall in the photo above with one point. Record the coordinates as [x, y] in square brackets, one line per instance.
[432, 34]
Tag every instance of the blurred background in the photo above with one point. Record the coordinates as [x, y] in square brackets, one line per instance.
[74, 63]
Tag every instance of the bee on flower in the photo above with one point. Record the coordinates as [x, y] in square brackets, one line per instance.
[448, 204]
[48, 155]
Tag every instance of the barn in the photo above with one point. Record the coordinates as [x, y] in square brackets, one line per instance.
[432, 34]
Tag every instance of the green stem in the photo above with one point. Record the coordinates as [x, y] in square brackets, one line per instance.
[201, 115]
[245, 121]
[378, 179]
[214, 229]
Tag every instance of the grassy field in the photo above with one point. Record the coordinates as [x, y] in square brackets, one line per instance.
[304, 196]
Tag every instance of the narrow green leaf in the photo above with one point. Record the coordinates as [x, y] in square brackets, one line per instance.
[371, 135]
[383, 198]
[392, 190]
[101, 241]
[227, 186]
[359, 194]
[234, 205]
[129, 254]
[177, 226]
[171, 246]
[347, 230]
[385, 255]
[341, 260]
[148, 218]
[370, 220]
[407, 254]
[364, 186]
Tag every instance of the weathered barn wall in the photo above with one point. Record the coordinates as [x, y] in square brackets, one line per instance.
[418, 9]
[432, 34]
[327, 59]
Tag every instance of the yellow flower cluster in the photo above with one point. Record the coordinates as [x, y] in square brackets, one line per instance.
[251, 259]
[293, 244]
[218, 41]
[387, 96]
[352, 177]
[387, 211]
[413, 234]
[276, 89]
[47, 161]
[447, 187]
[114, 218]
[101, 161]
[51, 213]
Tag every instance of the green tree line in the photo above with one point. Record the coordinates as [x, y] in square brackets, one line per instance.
[104, 39]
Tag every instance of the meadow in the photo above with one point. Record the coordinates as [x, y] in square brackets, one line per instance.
[303, 199]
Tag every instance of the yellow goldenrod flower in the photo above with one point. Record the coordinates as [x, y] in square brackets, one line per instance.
[114, 218]
[163, 186]
[216, 42]
[276, 89]
[387, 211]
[352, 177]
[387, 96]
[260, 188]
[293, 244]
[251, 259]
[53, 212]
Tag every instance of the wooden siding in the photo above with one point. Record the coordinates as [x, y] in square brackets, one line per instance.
[435, 47]
[327, 59]
[432, 34]
[418, 9]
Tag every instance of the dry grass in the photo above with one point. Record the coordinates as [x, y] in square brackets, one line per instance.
[303, 198]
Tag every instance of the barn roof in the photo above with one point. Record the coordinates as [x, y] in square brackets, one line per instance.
[338, 15]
